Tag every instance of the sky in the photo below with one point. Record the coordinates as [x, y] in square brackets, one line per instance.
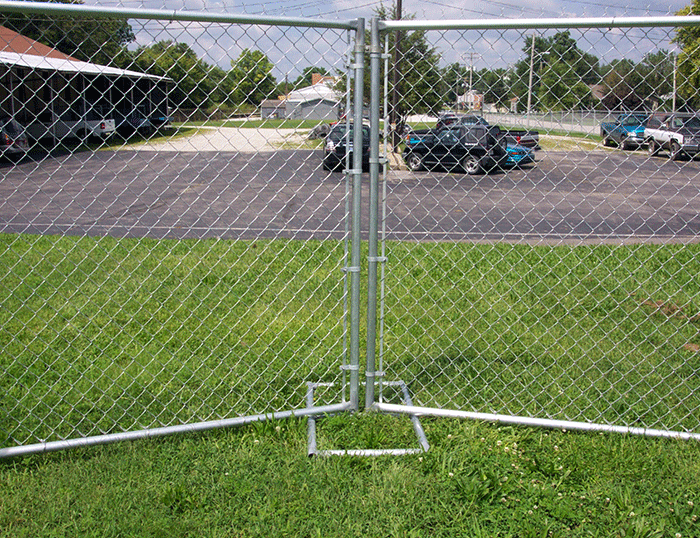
[293, 50]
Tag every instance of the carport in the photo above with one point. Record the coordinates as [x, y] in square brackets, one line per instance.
[35, 78]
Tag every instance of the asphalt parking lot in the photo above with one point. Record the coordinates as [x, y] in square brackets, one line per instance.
[566, 196]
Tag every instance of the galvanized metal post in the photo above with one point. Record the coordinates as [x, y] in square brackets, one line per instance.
[356, 254]
[373, 259]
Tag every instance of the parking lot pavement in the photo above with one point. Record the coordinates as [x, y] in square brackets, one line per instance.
[566, 196]
[227, 139]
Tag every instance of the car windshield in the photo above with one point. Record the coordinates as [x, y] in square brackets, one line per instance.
[338, 132]
[635, 120]
[692, 123]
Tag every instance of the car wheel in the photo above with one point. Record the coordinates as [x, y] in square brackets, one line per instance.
[652, 148]
[674, 150]
[471, 165]
[606, 141]
[414, 163]
[624, 144]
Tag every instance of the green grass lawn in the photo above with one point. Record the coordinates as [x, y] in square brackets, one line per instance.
[101, 335]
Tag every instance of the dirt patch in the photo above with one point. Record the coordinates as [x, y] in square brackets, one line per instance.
[228, 139]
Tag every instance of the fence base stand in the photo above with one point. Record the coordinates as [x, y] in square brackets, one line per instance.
[417, 428]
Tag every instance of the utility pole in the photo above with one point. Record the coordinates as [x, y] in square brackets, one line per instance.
[529, 85]
[675, 74]
[394, 120]
[471, 56]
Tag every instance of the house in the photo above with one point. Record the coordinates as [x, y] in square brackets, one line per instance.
[320, 101]
[471, 100]
[272, 109]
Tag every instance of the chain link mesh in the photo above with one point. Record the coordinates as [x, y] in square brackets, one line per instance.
[174, 236]
[187, 265]
[564, 288]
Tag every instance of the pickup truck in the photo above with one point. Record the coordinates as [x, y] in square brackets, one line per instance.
[472, 148]
[677, 133]
[522, 137]
[49, 125]
[626, 132]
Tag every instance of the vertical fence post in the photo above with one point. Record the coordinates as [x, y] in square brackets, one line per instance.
[373, 259]
[356, 254]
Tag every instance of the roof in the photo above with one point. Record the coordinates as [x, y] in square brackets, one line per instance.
[11, 41]
[321, 90]
[17, 50]
[68, 66]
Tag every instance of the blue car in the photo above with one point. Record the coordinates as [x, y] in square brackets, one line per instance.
[519, 155]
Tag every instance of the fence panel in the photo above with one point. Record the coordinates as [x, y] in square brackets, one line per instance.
[159, 272]
[564, 289]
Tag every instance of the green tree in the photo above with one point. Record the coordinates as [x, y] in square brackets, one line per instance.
[562, 88]
[420, 87]
[196, 83]
[656, 73]
[97, 40]
[493, 84]
[562, 51]
[455, 78]
[622, 86]
[250, 78]
[688, 71]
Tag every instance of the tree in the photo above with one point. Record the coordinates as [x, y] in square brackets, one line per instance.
[622, 86]
[455, 79]
[562, 88]
[420, 88]
[556, 54]
[688, 71]
[90, 40]
[656, 73]
[251, 79]
[493, 84]
[197, 84]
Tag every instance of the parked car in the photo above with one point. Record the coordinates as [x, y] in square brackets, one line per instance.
[69, 124]
[160, 121]
[130, 122]
[517, 154]
[520, 137]
[677, 133]
[339, 143]
[627, 131]
[13, 138]
[472, 148]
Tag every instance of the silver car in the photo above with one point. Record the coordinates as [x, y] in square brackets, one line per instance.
[13, 139]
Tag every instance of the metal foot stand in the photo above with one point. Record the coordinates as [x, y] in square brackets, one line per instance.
[417, 428]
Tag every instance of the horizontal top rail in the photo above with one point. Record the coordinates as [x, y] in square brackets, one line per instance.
[172, 15]
[529, 24]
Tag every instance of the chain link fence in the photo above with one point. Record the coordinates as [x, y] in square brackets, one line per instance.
[163, 273]
[189, 231]
[543, 271]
